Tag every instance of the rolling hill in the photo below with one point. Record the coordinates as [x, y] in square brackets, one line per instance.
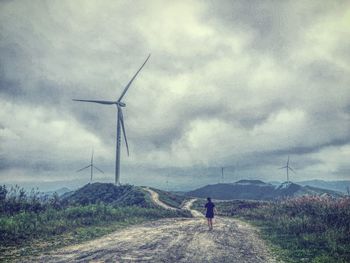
[340, 186]
[107, 193]
[257, 190]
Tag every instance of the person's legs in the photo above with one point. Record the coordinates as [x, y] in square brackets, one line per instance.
[211, 223]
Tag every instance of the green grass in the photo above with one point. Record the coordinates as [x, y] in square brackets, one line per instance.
[35, 246]
[29, 226]
[304, 229]
[53, 228]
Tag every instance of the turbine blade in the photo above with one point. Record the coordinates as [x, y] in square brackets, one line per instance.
[132, 79]
[98, 169]
[291, 169]
[98, 101]
[121, 119]
[92, 156]
[282, 167]
[84, 168]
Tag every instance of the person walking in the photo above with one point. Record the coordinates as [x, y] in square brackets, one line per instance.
[210, 207]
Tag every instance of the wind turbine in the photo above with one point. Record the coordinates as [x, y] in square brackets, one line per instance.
[222, 174]
[120, 121]
[287, 167]
[92, 166]
[167, 183]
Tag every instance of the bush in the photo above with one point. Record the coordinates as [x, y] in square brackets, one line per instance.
[25, 217]
[310, 228]
[16, 200]
[125, 195]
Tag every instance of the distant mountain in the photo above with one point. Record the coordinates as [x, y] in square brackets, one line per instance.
[125, 195]
[340, 186]
[257, 190]
[44, 196]
[59, 191]
[274, 182]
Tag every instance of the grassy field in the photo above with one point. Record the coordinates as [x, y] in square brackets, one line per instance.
[29, 226]
[304, 229]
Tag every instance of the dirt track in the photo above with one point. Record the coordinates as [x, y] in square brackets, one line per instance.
[155, 198]
[171, 240]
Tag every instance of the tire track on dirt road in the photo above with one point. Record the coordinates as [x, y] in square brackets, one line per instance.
[171, 240]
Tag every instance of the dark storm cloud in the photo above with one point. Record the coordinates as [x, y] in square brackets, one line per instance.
[276, 26]
[343, 170]
[237, 82]
[323, 72]
[299, 156]
[9, 88]
[34, 165]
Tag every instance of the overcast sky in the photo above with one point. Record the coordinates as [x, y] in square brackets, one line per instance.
[235, 84]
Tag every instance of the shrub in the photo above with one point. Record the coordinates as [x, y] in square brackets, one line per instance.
[25, 217]
[308, 228]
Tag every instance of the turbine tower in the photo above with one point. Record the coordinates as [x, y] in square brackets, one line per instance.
[92, 166]
[287, 167]
[222, 175]
[120, 121]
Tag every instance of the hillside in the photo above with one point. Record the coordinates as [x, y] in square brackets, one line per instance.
[45, 196]
[124, 195]
[29, 225]
[340, 186]
[61, 191]
[257, 190]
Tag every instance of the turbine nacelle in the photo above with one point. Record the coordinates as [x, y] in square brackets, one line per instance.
[121, 104]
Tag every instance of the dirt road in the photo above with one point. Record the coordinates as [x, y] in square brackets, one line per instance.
[171, 240]
[188, 205]
[155, 198]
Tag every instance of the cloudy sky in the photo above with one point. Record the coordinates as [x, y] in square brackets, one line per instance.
[235, 84]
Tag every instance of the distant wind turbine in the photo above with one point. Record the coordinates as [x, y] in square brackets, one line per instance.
[167, 184]
[120, 121]
[92, 166]
[222, 174]
[287, 167]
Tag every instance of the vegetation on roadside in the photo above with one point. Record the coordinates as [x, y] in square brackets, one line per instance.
[303, 229]
[89, 212]
[169, 198]
[124, 195]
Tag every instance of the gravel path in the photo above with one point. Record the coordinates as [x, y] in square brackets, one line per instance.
[172, 240]
[155, 199]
